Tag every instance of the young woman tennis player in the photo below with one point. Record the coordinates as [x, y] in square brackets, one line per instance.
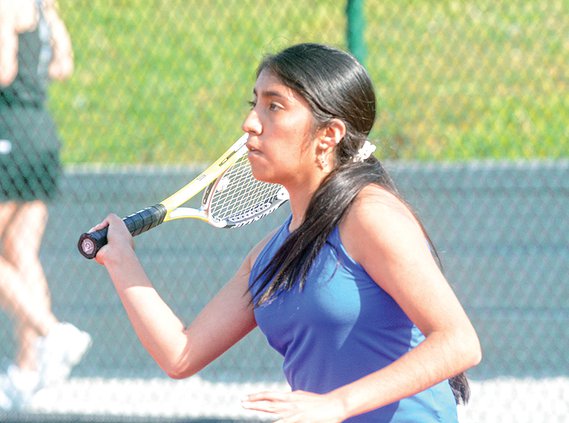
[347, 289]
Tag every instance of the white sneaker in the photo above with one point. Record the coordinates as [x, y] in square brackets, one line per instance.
[59, 351]
[18, 388]
[5, 401]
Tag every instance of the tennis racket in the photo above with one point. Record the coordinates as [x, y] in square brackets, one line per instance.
[232, 198]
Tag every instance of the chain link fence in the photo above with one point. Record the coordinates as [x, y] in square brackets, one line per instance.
[473, 124]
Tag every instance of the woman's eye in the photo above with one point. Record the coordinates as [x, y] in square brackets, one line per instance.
[274, 107]
[252, 103]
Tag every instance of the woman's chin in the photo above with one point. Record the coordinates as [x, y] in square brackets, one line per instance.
[261, 176]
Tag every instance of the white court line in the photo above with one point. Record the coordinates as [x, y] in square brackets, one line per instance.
[501, 400]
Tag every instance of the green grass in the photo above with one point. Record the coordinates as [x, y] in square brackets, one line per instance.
[168, 81]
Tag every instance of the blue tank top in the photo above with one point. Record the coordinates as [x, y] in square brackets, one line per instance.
[341, 327]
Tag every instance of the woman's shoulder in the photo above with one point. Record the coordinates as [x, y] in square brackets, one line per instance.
[376, 204]
[256, 250]
[375, 218]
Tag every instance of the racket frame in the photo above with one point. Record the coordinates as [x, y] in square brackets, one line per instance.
[169, 209]
[201, 182]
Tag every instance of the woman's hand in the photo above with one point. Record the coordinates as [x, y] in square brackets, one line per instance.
[119, 239]
[297, 406]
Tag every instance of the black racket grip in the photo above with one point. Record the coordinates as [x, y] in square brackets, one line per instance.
[90, 243]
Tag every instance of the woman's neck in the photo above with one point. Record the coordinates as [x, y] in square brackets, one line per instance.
[300, 197]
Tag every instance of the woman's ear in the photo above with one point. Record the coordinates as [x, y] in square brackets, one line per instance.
[332, 134]
[328, 139]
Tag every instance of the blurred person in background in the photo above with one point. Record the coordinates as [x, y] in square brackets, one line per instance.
[35, 47]
[348, 289]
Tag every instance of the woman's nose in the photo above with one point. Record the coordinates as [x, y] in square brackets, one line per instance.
[251, 124]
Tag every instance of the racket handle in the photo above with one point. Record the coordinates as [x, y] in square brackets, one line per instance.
[90, 243]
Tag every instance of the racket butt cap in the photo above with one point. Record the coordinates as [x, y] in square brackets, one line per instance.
[90, 243]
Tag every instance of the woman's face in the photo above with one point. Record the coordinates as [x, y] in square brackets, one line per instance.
[281, 130]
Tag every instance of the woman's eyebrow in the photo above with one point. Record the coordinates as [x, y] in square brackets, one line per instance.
[270, 93]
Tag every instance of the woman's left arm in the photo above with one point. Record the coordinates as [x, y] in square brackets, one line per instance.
[61, 65]
[382, 235]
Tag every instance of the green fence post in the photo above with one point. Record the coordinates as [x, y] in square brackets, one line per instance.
[355, 29]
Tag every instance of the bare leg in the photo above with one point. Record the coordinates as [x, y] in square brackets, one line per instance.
[47, 349]
[23, 288]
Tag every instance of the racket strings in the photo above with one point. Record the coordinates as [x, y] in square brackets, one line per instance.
[239, 196]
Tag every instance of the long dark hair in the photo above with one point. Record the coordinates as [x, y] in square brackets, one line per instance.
[336, 86]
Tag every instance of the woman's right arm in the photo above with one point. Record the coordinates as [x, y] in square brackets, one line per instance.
[8, 43]
[179, 350]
